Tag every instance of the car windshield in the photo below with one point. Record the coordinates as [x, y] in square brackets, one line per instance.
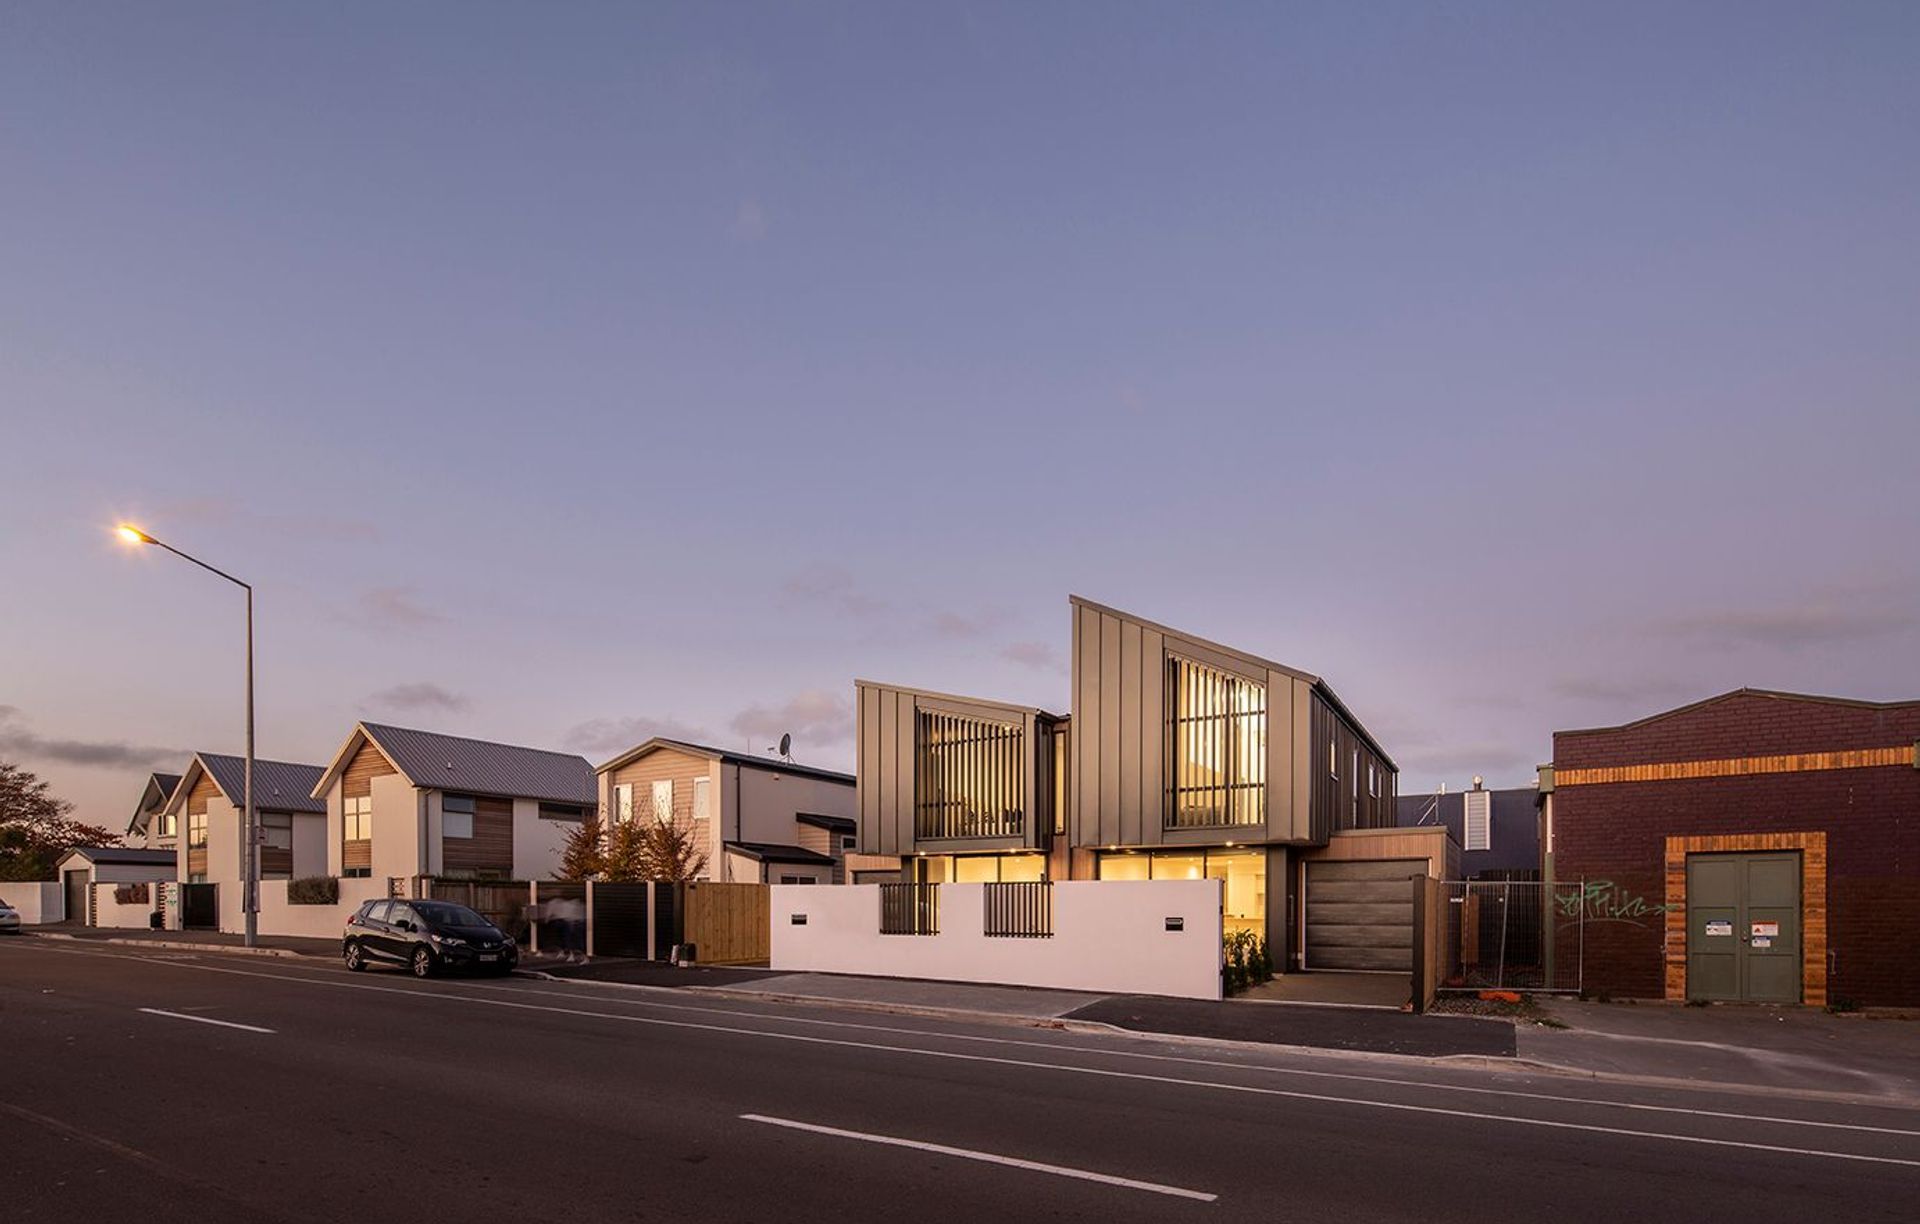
[446, 914]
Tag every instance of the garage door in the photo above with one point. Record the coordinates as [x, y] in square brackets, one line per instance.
[1360, 915]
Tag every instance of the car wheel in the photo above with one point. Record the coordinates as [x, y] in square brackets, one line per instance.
[356, 959]
[423, 965]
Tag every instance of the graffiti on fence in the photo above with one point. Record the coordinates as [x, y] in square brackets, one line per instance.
[1604, 901]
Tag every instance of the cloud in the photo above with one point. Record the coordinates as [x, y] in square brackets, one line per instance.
[397, 608]
[421, 695]
[749, 221]
[1040, 656]
[961, 625]
[814, 718]
[1620, 692]
[606, 736]
[17, 741]
[833, 586]
[1824, 622]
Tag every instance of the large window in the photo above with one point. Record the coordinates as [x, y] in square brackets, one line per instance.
[357, 818]
[1217, 747]
[456, 816]
[1243, 873]
[196, 829]
[167, 825]
[700, 786]
[663, 800]
[971, 777]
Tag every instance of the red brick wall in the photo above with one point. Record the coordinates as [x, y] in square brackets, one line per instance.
[1612, 834]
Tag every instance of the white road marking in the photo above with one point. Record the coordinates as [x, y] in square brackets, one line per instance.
[1064, 1068]
[251, 1028]
[1012, 1162]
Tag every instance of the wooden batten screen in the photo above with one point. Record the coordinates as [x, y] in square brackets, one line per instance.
[1018, 910]
[1216, 747]
[970, 777]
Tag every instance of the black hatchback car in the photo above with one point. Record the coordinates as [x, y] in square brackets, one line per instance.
[427, 937]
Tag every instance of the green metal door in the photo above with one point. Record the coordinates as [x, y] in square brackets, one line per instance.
[1743, 927]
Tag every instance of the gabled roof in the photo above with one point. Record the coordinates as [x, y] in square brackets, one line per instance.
[154, 797]
[989, 702]
[1319, 685]
[770, 764]
[278, 786]
[1769, 694]
[126, 856]
[435, 761]
[770, 852]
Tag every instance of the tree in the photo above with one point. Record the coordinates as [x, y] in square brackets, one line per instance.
[584, 854]
[668, 852]
[625, 860]
[35, 829]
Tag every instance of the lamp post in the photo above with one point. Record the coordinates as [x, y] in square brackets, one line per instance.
[249, 822]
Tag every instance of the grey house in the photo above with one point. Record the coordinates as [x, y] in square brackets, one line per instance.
[1181, 758]
[1498, 830]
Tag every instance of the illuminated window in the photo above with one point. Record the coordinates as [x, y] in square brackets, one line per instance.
[357, 818]
[196, 829]
[663, 800]
[971, 777]
[1217, 746]
[700, 797]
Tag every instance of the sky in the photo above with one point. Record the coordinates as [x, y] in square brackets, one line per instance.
[566, 374]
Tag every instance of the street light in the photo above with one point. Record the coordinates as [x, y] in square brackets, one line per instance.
[249, 825]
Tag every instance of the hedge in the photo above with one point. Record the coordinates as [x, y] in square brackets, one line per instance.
[313, 890]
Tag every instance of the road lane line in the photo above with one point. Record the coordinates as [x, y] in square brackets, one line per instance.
[1093, 1071]
[251, 1028]
[1012, 1162]
[1069, 1069]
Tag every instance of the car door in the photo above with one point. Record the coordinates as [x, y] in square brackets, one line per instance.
[375, 939]
[404, 930]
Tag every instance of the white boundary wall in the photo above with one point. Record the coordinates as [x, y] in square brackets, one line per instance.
[110, 913]
[37, 902]
[277, 917]
[1108, 935]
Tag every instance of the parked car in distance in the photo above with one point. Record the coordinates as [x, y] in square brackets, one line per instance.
[427, 937]
[9, 919]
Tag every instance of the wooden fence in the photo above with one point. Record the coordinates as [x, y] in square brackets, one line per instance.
[727, 923]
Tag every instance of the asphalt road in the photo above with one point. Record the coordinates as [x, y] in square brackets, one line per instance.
[126, 1093]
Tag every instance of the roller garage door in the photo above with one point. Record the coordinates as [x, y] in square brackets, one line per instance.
[1360, 915]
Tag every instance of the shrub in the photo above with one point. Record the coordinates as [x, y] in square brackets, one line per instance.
[132, 894]
[313, 890]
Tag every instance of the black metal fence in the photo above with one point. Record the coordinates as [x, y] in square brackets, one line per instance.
[909, 909]
[1020, 910]
[1513, 935]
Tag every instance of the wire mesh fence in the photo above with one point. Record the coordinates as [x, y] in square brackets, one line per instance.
[1513, 935]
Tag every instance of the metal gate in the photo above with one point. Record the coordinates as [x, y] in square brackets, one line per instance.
[1513, 935]
[620, 926]
[1360, 914]
[200, 907]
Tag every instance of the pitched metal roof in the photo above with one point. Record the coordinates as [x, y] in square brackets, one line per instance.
[121, 855]
[278, 786]
[771, 852]
[770, 764]
[154, 797]
[456, 763]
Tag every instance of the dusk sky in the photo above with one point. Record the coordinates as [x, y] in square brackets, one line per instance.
[563, 374]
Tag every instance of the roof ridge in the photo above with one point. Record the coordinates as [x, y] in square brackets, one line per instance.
[470, 739]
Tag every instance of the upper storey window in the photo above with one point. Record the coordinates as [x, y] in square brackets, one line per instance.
[1216, 746]
[970, 777]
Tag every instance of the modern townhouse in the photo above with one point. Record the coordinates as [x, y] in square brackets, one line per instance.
[401, 804]
[151, 826]
[754, 819]
[207, 807]
[1181, 759]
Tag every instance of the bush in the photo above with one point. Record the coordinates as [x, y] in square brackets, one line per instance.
[313, 890]
[132, 894]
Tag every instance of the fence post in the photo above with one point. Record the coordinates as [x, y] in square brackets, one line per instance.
[533, 917]
[589, 947]
[1421, 934]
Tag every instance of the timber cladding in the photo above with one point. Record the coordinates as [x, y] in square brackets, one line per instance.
[490, 849]
[1813, 903]
[367, 764]
[680, 769]
[203, 790]
[728, 924]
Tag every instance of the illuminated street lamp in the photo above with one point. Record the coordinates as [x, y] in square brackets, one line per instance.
[249, 823]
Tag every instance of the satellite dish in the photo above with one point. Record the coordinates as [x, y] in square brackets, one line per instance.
[786, 745]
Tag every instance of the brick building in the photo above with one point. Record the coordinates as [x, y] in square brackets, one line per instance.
[1754, 846]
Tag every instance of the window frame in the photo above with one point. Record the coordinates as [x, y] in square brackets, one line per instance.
[1214, 724]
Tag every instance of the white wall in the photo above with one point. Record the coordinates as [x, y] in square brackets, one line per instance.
[315, 921]
[537, 843]
[1109, 936]
[110, 913]
[36, 902]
